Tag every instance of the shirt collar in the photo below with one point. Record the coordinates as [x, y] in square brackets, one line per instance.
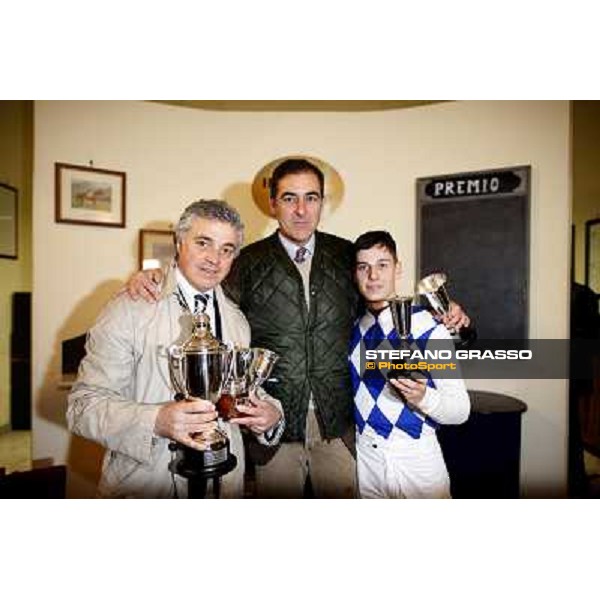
[188, 290]
[291, 247]
[377, 311]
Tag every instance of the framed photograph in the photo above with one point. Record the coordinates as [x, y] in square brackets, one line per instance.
[9, 222]
[89, 196]
[592, 255]
[157, 244]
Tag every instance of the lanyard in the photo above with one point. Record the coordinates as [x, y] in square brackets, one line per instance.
[184, 306]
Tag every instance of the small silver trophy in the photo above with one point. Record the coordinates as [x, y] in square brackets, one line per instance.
[401, 307]
[199, 369]
[249, 369]
[433, 289]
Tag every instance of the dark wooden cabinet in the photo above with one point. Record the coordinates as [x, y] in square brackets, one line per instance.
[483, 454]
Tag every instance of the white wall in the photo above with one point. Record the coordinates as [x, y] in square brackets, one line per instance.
[174, 155]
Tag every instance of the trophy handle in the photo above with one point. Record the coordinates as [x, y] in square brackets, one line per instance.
[247, 355]
[230, 352]
[176, 369]
[238, 363]
[229, 363]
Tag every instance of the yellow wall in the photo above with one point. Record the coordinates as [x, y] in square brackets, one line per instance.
[586, 175]
[174, 155]
[16, 151]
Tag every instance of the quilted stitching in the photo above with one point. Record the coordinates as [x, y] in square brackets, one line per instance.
[313, 346]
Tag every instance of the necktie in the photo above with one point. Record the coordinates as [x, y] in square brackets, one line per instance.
[200, 302]
[301, 254]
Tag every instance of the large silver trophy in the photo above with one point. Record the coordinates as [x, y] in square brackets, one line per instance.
[433, 289]
[199, 369]
[249, 369]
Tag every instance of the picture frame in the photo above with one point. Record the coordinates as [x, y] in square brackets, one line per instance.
[89, 196]
[9, 222]
[158, 244]
[592, 254]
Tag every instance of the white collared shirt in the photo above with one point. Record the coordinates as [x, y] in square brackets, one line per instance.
[291, 247]
[189, 291]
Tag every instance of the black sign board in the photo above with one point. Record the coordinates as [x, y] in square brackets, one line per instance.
[475, 228]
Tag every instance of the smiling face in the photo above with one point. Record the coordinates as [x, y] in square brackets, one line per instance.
[376, 272]
[206, 251]
[297, 206]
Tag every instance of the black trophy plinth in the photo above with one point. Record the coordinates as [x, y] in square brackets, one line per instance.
[199, 468]
[405, 372]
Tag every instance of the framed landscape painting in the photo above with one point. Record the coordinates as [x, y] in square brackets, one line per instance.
[9, 222]
[89, 196]
[158, 245]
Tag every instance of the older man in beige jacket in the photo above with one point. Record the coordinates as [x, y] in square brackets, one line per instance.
[123, 395]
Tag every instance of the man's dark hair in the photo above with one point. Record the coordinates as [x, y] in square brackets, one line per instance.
[369, 239]
[294, 166]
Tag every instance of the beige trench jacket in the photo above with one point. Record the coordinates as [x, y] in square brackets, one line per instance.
[121, 383]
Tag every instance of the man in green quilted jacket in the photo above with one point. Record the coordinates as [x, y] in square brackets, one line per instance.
[296, 288]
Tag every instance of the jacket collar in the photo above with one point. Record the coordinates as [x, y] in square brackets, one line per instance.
[170, 285]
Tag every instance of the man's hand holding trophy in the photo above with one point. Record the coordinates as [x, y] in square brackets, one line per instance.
[249, 369]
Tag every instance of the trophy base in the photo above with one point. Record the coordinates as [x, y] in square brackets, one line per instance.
[198, 467]
[414, 375]
[214, 453]
[192, 466]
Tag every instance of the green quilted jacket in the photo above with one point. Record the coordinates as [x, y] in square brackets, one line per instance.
[313, 345]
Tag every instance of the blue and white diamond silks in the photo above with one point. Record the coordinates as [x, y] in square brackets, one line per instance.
[376, 406]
